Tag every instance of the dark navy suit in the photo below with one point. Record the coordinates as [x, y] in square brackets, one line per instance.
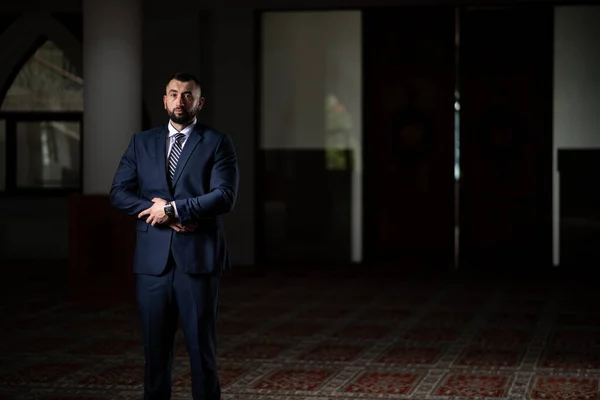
[178, 274]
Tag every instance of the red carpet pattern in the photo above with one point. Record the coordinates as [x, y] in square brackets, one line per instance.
[325, 338]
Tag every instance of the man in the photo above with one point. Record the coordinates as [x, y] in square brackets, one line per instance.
[178, 180]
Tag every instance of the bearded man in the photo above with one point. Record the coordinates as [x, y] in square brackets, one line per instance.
[178, 180]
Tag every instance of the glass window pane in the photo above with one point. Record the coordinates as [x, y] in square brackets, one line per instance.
[47, 82]
[311, 136]
[48, 154]
[2, 155]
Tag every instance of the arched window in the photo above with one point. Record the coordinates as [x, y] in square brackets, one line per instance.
[40, 124]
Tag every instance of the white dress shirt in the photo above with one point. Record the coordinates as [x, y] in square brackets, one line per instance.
[173, 131]
[171, 140]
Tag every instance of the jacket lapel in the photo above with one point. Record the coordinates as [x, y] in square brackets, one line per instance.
[189, 146]
[161, 154]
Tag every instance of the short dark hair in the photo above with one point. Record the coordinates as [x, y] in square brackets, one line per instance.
[184, 77]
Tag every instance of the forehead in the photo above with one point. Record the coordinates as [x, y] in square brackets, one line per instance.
[178, 86]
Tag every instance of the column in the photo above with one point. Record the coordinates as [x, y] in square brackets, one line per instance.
[112, 70]
[112, 73]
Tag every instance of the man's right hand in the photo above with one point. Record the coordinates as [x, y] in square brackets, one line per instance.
[177, 227]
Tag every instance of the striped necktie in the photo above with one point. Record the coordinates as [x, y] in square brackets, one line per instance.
[174, 155]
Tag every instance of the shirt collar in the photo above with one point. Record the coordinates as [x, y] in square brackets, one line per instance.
[186, 131]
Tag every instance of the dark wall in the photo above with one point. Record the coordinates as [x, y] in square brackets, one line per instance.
[505, 85]
[409, 136]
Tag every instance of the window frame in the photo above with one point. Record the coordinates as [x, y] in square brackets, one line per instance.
[11, 119]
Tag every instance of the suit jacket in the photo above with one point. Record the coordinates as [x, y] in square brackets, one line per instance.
[204, 187]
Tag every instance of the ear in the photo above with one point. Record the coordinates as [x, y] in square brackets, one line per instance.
[165, 101]
[200, 103]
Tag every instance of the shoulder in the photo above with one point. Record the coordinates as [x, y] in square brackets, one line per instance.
[215, 136]
[150, 133]
[212, 133]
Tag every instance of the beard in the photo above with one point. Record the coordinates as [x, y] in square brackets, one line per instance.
[184, 118]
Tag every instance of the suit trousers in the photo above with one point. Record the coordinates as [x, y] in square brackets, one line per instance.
[191, 299]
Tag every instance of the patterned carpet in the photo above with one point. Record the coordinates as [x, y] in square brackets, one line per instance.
[324, 337]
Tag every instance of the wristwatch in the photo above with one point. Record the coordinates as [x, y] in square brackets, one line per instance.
[169, 210]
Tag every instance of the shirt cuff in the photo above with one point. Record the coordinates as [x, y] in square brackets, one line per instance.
[175, 209]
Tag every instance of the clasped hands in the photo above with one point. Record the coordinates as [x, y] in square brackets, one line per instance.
[156, 216]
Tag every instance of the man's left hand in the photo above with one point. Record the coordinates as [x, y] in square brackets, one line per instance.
[156, 213]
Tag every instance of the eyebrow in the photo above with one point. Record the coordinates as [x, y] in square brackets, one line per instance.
[175, 91]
